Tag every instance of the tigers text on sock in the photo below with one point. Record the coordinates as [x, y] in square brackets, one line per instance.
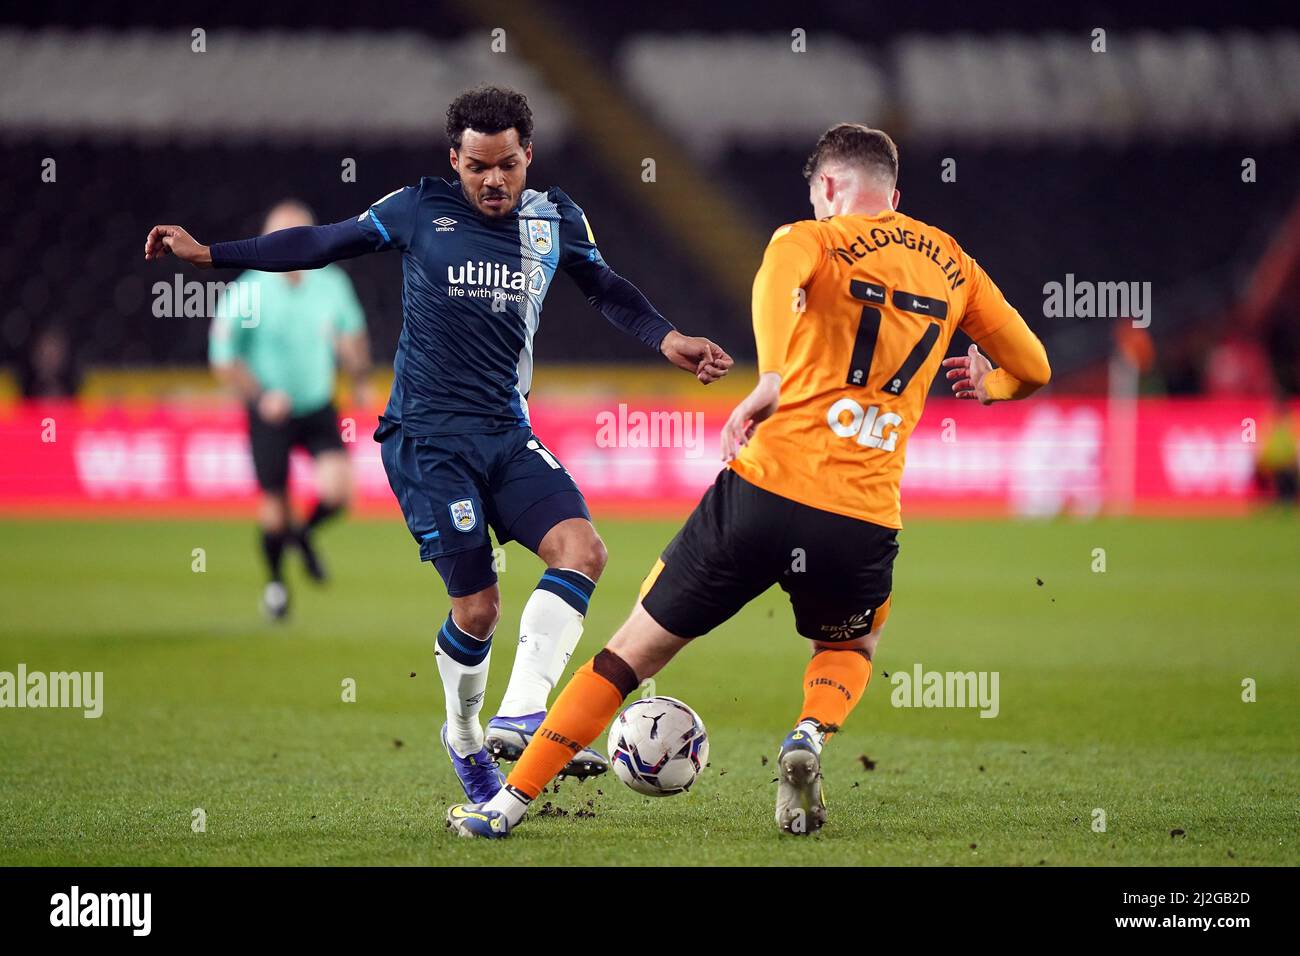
[922, 688]
[82, 690]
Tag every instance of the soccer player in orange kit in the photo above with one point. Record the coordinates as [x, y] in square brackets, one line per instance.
[852, 312]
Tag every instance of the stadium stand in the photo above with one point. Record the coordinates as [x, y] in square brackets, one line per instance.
[1042, 149]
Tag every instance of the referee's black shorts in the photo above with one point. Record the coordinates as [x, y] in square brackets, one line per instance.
[740, 540]
[316, 432]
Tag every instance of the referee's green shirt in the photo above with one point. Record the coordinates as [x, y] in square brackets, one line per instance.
[285, 333]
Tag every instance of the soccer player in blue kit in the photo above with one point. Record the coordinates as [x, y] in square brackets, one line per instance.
[478, 256]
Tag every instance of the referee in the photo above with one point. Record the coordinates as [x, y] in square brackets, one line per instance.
[281, 361]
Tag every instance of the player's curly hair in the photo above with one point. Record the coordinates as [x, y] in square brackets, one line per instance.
[489, 109]
[870, 149]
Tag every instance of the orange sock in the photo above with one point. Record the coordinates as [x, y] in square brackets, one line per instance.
[833, 683]
[580, 713]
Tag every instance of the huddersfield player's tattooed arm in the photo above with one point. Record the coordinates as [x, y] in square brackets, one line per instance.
[623, 304]
[999, 330]
[792, 257]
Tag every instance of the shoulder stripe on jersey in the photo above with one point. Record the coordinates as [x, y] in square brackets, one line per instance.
[536, 205]
[382, 231]
[531, 200]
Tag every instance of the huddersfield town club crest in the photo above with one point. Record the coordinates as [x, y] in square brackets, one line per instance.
[462, 515]
[539, 235]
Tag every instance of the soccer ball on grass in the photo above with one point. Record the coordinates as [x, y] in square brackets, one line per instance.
[658, 746]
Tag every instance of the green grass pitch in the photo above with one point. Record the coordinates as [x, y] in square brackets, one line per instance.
[1119, 691]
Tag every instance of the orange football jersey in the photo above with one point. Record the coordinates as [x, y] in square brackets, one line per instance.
[856, 312]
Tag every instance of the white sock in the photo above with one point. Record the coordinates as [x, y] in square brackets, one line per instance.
[549, 630]
[510, 802]
[463, 665]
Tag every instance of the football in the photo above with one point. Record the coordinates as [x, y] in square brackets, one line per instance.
[658, 746]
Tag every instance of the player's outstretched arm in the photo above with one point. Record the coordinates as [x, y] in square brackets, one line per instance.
[623, 304]
[288, 250]
[1022, 360]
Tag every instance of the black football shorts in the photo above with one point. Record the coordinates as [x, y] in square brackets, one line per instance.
[316, 432]
[740, 540]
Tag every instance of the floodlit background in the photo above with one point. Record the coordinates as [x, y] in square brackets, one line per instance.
[1168, 161]
[1122, 548]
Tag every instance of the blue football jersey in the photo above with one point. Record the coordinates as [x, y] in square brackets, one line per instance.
[472, 296]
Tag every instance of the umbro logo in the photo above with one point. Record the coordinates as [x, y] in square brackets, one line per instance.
[444, 224]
